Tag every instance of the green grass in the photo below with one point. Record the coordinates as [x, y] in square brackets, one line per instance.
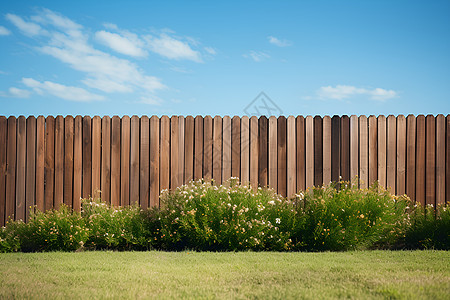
[238, 275]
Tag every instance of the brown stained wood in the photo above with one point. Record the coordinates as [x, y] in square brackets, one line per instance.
[363, 152]
[68, 160]
[125, 161]
[174, 158]
[164, 166]
[154, 161]
[254, 155]
[21, 168]
[49, 162]
[382, 150]
[345, 148]
[273, 154]
[300, 159]
[245, 151]
[391, 148]
[115, 161]
[326, 132]
[440, 159]
[282, 158]
[430, 162]
[106, 160]
[140, 162]
[291, 158]
[411, 157]
[420, 159]
[217, 150]
[318, 151]
[59, 162]
[263, 151]
[354, 149]
[77, 162]
[447, 162]
[401, 155]
[335, 148]
[309, 151]
[11, 169]
[181, 126]
[3, 143]
[87, 157]
[226, 148]
[373, 150]
[96, 156]
[40, 162]
[188, 149]
[30, 196]
[207, 147]
[236, 147]
[198, 147]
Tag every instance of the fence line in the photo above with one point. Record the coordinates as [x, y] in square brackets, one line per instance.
[50, 161]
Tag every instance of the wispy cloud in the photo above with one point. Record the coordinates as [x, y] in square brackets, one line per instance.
[28, 28]
[127, 43]
[340, 92]
[277, 42]
[14, 92]
[172, 48]
[4, 31]
[210, 50]
[257, 55]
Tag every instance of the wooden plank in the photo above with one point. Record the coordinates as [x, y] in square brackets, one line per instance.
[96, 156]
[30, 197]
[140, 162]
[198, 147]
[354, 149]
[236, 147]
[189, 149]
[77, 162]
[447, 162]
[217, 150]
[345, 148]
[391, 149]
[181, 125]
[263, 151]
[10, 169]
[87, 157]
[164, 166]
[411, 157]
[318, 151]
[401, 155]
[363, 152]
[301, 167]
[254, 155]
[21, 168]
[106, 159]
[226, 148]
[115, 161]
[207, 147]
[273, 155]
[420, 159]
[40, 162]
[126, 137]
[59, 162]
[382, 150]
[68, 160]
[282, 159]
[335, 148]
[309, 151]
[154, 161]
[291, 158]
[430, 167]
[49, 162]
[174, 158]
[245, 151]
[440, 159]
[3, 143]
[373, 150]
[326, 153]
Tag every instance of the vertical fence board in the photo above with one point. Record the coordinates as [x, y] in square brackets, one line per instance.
[373, 150]
[198, 147]
[140, 162]
[68, 160]
[49, 161]
[318, 151]
[354, 142]
[3, 143]
[40, 162]
[11, 169]
[282, 163]
[164, 166]
[245, 151]
[189, 149]
[430, 163]
[20, 167]
[263, 151]
[273, 156]
[154, 161]
[420, 159]
[59, 162]
[207, 147]
[291, 163]
[391, 154]
[363, 152]
[125, 162]
[181, 125]
[226, 148]
[174, 157]
[96, 155]
[87, 156]
[309, 151]
[30, 197]
[217, 150]
[106, 159]
[335, 148]
[236, 147]
[77, 162]
[440, 159]
[326, 132]
[411, 157]
[382, 150]
[345, 147]
[115, 161]
[301, 167]
[401, 155]
[254, 151]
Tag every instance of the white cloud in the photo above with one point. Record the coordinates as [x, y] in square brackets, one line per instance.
[257, 55]
[210, 50]
[346, 91]
[4, 31]
[172, 48]
[61, 91]
[277, 42]
[28, 28]
[19, 93]
[128, 44]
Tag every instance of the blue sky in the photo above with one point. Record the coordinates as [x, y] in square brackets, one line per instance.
[213, 58]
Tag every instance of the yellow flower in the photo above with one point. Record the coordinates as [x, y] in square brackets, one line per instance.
[361, 216]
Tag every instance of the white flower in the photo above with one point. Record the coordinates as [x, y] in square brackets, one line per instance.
[277, 220]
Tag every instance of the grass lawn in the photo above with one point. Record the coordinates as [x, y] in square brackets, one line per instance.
[242, 275]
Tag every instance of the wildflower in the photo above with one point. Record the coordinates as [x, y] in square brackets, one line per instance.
[278, 221]
[361, 216]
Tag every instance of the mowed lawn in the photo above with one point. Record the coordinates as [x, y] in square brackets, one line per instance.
[241, 275]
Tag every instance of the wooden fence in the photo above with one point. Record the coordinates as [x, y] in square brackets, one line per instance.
[50, 161]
